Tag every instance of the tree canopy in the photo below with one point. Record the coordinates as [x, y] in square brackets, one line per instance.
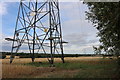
[105, 17]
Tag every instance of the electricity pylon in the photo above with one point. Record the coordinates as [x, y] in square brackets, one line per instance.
[38, 26]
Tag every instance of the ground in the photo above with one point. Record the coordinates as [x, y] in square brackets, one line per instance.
[74, 67]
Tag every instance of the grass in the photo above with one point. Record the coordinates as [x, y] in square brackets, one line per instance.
[102, 63]
[66, 65]
[85, 69]
[72, 68]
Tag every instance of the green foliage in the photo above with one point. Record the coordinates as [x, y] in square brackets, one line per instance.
[2, 57]
[106, 19]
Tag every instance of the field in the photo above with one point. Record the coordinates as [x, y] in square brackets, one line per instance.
[74, 67]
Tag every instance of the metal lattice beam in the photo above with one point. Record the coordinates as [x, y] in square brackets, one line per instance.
[38, 25]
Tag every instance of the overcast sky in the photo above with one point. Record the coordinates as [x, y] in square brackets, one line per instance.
[80, 34]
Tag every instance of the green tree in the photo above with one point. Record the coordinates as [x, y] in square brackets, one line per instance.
[106, 18]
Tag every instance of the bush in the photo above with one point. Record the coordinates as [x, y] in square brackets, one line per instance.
[2, 57]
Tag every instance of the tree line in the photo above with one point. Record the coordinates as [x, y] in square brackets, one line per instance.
[42, 55]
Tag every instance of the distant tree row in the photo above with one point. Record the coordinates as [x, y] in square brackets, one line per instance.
[41, 55]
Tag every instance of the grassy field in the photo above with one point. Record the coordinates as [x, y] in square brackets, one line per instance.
[75, 67]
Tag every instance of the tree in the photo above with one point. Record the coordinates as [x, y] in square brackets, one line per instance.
[98, 50]
[106, 19]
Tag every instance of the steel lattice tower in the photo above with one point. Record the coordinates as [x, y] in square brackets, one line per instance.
[38, 27]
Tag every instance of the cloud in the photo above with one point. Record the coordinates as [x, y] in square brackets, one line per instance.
[73, 10]
[73, 19]
[75, 49]
[77, 39]
[80, 43]
[78, 26]
[81, 39]
[3, 8]
[80, 34]
[5, 45]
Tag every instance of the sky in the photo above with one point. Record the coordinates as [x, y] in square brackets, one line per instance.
[77, 31]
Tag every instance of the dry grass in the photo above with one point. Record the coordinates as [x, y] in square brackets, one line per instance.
[7, 57]
[18, 70]
[27, 60]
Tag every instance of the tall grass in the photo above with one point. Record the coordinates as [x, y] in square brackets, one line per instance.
[72, 68]
[85, 69]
